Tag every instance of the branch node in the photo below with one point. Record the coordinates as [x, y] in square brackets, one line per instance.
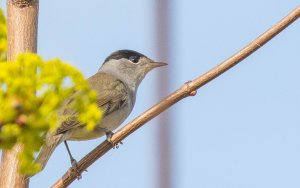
[188, 85]
[193, 93]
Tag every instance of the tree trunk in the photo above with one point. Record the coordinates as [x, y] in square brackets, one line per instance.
[22, 20]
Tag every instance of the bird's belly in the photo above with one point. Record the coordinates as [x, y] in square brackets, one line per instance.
[81, 134]
[110, 122]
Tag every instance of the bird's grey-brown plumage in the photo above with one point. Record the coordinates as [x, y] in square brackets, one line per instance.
[111, 99]
[116, 84]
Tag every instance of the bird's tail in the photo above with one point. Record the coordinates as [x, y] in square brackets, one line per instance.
[52, 141]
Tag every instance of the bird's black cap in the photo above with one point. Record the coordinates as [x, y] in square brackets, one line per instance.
[124, 54]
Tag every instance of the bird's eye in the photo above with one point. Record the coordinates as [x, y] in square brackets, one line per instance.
[134, 59]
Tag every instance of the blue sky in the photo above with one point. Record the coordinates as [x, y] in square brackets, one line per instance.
[241, 130]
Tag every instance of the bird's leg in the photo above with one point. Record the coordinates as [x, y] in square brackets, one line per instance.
[109, 134]
[73, 162]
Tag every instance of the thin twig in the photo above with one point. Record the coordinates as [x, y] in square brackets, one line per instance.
[188, 89]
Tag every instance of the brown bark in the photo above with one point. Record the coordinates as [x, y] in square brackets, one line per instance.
[22, 18]
[188, 89]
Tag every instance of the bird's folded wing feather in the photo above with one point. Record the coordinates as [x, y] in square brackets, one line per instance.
[112, 95]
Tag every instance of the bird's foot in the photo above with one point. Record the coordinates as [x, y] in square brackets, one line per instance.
[109, 134]
[75, 169]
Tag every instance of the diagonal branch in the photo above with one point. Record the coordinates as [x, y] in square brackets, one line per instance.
[188, 89]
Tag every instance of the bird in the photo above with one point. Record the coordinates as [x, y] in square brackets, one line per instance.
[116, 84]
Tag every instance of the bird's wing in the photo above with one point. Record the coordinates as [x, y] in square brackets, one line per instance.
[112, 95]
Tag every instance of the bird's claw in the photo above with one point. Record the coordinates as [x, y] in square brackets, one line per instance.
[117, 145]
[109, 134]
[74, 169]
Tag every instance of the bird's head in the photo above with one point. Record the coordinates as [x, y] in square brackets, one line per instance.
[129, 66]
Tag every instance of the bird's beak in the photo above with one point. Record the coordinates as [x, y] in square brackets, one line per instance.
[155, 64]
